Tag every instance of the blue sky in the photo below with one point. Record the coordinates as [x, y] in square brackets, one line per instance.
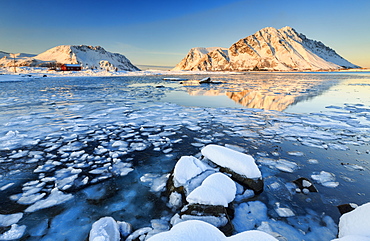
[162, 32]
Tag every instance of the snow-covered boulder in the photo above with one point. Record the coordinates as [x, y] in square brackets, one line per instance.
[197, 230]
[242, 167]
[186, 169]
[209, 202]
[188, 174]
[217, 189]
[355, 223]
[105, 229]
[304, 185]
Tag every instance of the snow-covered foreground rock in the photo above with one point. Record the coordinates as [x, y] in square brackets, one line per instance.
[355, 225]
[198, 230]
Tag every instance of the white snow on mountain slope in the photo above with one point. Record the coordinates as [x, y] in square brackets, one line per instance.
[267, 49]
[88, 56]
[195, 55]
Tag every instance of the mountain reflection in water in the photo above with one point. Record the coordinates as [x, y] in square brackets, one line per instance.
[275, 91]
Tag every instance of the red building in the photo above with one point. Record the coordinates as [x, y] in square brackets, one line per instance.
[70, 67]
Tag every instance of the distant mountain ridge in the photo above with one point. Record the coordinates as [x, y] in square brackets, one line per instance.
[89, 57]
[267, 49]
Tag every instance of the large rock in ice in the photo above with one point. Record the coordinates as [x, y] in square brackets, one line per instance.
[197, 230]
[188, 174]
[242, 167]
[209, 202]
[217, 215]
[356, 222]
[217, 189]
[105, 229]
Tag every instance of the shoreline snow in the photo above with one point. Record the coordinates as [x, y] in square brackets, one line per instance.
[24, 73]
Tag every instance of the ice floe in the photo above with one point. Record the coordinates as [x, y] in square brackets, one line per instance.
[56, 197]
[105, 229]
[326, 179]
[10, 219]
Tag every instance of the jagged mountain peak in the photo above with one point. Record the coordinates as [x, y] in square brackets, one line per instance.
[269, 49]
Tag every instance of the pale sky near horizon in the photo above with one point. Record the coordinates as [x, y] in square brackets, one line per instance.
[162, 32]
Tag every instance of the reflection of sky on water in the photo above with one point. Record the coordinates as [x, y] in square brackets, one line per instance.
[292, 92]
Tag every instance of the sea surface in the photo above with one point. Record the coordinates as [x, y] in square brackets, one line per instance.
[75, 149]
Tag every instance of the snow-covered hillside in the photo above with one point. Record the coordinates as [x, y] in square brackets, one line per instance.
[89, 57]
[267, 49]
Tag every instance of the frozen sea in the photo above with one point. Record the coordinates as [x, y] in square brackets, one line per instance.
[75, 149]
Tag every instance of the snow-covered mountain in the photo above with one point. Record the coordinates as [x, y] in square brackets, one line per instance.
[267, 49]
[87, 56]
[20, 59]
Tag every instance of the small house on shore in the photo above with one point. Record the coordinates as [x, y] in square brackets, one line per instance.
[70, 67]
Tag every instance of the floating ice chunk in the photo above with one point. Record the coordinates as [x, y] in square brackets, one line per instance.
[65, 183]
[76, 154]
[6, 186]
[187, 168]
[295, 153]
[10, 219]
[313, 161]
[120, 144]
[353, 167]
[194, 128]
[248, 133]
[283, 212]
[217, 189]
[15, 232]
[281, 164]
[197, 144]
[175, 200]
[245, 195]
[100, 150]
[56, 197]
[121, 168]
[105, 229]
[356, 222]
[19, 154]
[238, 162]
[138, 146]
[338, 147]
[157, 182]
[194, 230]
[29, 199]
[326, 179]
